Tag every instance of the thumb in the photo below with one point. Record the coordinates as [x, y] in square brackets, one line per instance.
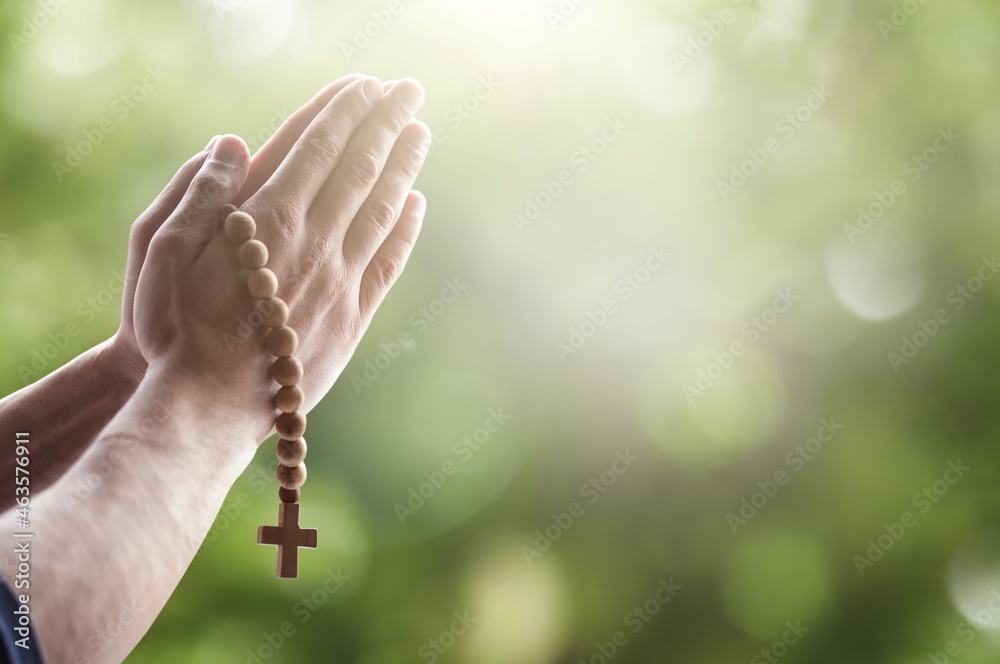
[216, 184]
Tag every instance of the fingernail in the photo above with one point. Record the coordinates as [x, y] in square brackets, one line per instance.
[372, 90]
[411, 95]
[211, 143]
[421, 205]
[229, 149]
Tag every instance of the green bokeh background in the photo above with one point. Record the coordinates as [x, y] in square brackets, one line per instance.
[240, 66]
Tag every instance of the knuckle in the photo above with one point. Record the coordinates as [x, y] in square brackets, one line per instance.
[210, 185]
[318, 257]
[418, 138]
[419, 134]
[339, 286]
[318, 269]
[280, 217]
[364, 169]
[396, 122]
[408, 234]
[141, 231]
[167, 245]
[387, 270]
[411, 164]
[284, 222]
[323, 147]
[382, 214]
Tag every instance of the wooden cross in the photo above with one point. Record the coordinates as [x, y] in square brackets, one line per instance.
[288, 537]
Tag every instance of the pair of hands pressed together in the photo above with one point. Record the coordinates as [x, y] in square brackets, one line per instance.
[339, 219]
[158, 422]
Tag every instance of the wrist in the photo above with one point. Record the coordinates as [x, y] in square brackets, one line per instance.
[123, 363]
[232, 415]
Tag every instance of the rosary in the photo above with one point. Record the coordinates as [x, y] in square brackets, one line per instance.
[281, 342]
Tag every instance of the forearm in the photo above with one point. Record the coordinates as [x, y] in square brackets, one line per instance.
[63, 412]
[130, 542]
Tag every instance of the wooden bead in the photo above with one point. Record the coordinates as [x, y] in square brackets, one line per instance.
[287, 371]
[281, 342]
[240, 227]
[289, 398]
[291, 452]
[291, 478]
[290, 426]
[252, 254]
[262, 284]
[275, 312]
[289, 495]
[224, 213]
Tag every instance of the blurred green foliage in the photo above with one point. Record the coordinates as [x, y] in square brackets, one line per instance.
[698, 88]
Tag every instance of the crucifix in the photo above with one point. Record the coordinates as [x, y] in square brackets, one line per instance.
[288, 537]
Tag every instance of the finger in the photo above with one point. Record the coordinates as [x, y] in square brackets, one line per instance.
[267, 159]
[159, 210]
[300, 177]
[391, 257]
[219, 179]
[379, 214]
[365, 157]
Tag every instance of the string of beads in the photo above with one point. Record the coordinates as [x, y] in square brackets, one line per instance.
[280, 342]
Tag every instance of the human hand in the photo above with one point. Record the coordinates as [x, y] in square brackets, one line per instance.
[121, 355]
[339, 219]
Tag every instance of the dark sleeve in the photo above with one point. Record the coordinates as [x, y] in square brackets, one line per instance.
[10, 651]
